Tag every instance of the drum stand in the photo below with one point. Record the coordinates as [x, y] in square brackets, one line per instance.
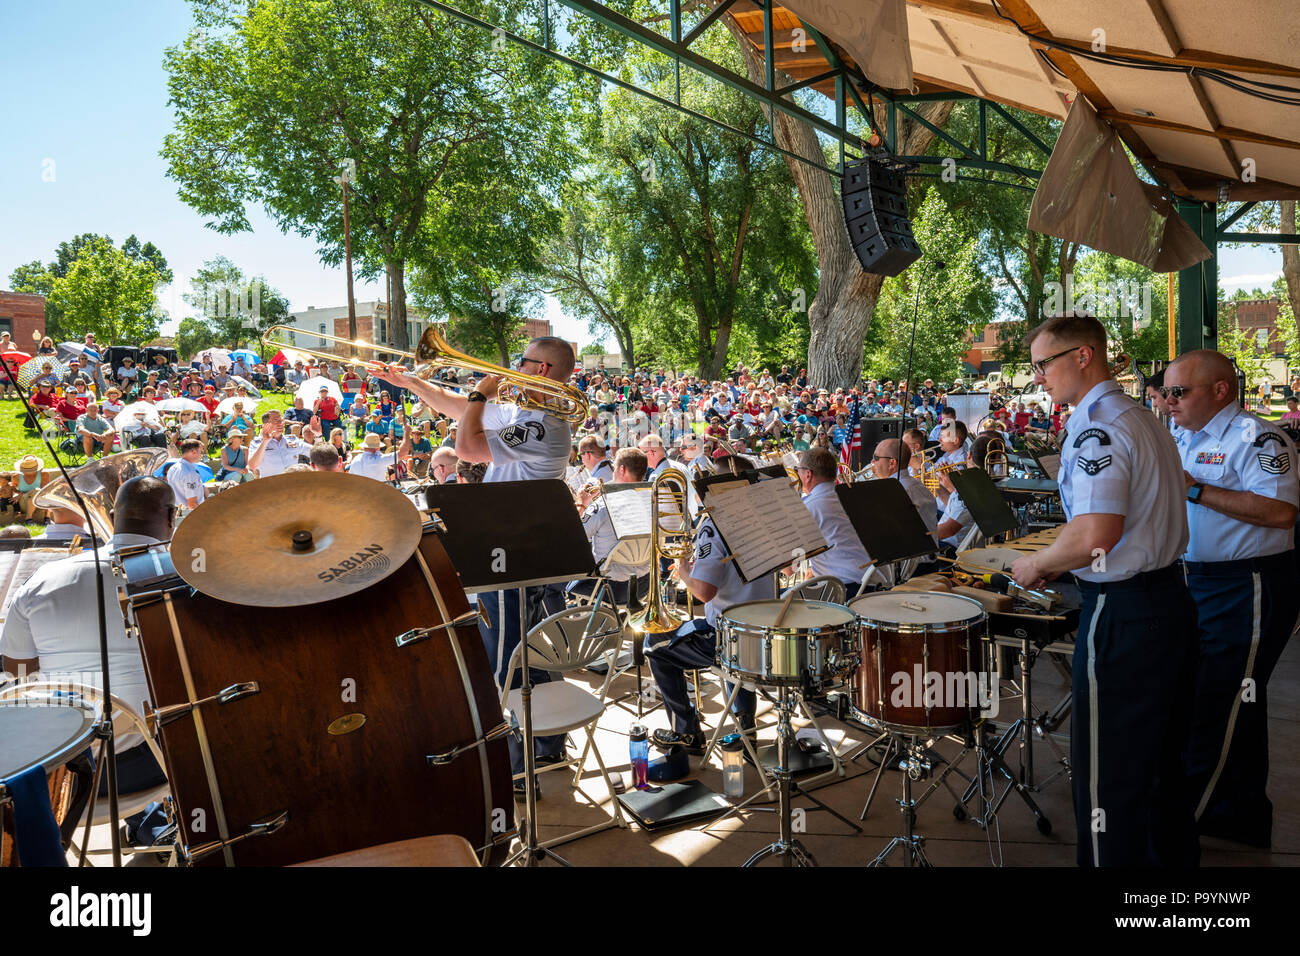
[915, 765]
[1026, 726]
[988, 761]
[791, 851]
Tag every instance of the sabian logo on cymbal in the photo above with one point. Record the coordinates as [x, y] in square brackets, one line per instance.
[367, 562]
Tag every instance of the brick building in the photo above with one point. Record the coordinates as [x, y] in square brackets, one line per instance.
[1260, 317]
[21, 315]
[982, 356]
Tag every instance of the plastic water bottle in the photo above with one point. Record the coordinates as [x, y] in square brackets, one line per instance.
[639, 750]
[733, 767]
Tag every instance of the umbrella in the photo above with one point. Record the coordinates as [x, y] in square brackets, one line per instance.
[12, 360]
[31, 369]
[130, 411]
[309, 390]
[220, 357]
[249, 356]
[278, 359]
[205, 472]
[180, 404]
[227, 405]
[252, 389]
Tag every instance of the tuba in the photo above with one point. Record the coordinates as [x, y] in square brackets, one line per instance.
[98, 483]
[670, 535]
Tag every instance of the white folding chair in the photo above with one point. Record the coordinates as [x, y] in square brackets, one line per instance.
[126, 720]
[567, 641]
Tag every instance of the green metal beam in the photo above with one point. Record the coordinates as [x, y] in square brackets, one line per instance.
[605, 16]
[811, 81]
[975, 179]
[1237, 214]
[708, 21]
[1280, 238]
[1198, 285]
[992, 166]
[966, 150]
[1021, 128]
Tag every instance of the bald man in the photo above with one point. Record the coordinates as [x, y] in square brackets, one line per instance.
[892, 459]
[1242, 497]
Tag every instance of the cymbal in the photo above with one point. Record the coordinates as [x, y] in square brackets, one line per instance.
[296, 539]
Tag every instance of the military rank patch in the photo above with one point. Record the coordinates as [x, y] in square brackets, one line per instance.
[1092, 466]
[1276, 464]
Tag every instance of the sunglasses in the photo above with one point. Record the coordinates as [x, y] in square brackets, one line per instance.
[1178, 391]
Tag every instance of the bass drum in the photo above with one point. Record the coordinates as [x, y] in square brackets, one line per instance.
[340, 727]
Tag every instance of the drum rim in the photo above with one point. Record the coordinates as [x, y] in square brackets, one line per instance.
[906, 626]
[79, 744]
[939, 730]
[784, 630]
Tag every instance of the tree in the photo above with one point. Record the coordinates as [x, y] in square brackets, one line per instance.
[1242, 346]
[234, 308]
[271, 98]
[36, 278]
[1129, 299]
[108, 293]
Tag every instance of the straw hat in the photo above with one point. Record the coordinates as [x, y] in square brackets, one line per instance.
[372, 442]
[29, 464]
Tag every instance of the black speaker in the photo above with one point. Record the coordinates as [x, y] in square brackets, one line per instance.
[875, 212]
[876, 430]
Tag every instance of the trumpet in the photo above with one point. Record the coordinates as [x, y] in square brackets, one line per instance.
[432, 354]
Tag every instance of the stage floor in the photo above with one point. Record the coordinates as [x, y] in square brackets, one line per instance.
[1014, 841]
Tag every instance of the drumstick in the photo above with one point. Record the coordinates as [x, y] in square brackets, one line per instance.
[977, 567]
[785, 606]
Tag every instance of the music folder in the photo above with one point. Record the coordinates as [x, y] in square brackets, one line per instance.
[764, 523]
[987, 506]
[885, 519]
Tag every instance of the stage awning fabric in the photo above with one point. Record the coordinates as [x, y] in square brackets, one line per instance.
[1191, 130]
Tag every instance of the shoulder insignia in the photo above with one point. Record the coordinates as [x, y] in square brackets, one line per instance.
[1265, 437]
[1097, 433]
[1275, 464]
[1092, 466]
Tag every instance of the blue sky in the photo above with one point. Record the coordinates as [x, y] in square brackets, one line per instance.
[83, 115]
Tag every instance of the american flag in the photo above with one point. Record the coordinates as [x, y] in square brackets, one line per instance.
[853, 441]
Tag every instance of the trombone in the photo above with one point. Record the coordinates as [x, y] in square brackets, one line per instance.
[432, 354]
[671, 540]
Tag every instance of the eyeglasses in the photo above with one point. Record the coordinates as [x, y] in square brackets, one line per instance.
[883, 458]
[533, 360]
[1178, 391]
[1040, 366]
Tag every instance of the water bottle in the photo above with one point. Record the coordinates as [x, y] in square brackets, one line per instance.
[639, 751]
[733, 767]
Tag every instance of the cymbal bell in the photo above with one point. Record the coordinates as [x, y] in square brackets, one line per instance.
[296, 539]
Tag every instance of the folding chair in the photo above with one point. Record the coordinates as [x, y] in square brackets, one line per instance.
[568, 641]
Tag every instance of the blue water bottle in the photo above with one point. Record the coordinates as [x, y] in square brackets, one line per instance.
[639, 750]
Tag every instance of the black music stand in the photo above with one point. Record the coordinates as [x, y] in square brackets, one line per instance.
[885, 520]
[987, 506]
[515, 534]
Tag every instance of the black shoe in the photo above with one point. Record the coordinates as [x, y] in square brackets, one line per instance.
[692, 744]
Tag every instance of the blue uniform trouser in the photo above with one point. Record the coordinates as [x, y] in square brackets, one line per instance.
[1133, 681]
[1245, 614]
[690, 647]
[500, 638]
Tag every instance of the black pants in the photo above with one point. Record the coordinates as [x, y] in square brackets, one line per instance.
[1133, 681]
[1245, 612]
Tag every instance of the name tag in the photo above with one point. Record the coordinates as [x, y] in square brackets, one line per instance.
[1210, 457]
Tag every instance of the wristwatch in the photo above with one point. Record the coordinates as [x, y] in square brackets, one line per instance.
[476, 397]
[1194, 493]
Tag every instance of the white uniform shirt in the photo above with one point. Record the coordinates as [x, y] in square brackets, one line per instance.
[1116, 459]
[1240, 452]
[525, 444]
[54, 617]
[604, 471]
[280, 454]
[371, 464]
[846, 559]
[956, 510]
[186, 482]
[600, 532]
[709, 567]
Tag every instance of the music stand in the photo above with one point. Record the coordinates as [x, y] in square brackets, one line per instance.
[987, 506]
[885, 520]
[496, 544]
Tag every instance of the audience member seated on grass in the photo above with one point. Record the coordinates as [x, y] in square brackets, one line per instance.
[190, 426]
[30, 480]
[370, 459]
[234, 459]
[298, 413]
[325, 456]
[95, 430]
[238, 418]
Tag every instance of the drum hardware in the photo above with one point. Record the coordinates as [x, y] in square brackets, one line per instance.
[163, 716]
[916, 767]
[417, 634]
[989, 763]
[264, 827]
[500, 730]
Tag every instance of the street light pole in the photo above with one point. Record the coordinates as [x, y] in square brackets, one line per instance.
[348, 175]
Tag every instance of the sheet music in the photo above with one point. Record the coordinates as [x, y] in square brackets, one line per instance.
[17, 566]
[629, 512]
[764, 525]
[1051, 464]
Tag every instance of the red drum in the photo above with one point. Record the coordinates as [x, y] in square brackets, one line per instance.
[920, 661]
[316, 712]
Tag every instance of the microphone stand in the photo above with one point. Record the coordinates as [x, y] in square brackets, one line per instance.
[911, 349]
[107, 721]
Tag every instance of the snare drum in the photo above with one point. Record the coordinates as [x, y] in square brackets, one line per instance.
[920, 661]
[813, 641]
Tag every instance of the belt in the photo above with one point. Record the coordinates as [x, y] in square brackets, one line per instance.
[1142, 581]
[1282, 561]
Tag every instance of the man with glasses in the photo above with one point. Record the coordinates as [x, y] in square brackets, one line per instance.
[1242, 498]
[891, 460]
[1134, 661]
[519, 445]
[846, 560]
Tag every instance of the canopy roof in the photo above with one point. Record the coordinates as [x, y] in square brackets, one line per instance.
[1167, 102]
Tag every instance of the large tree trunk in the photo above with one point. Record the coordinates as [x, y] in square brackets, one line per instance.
[841, 312]
[397, 305]
[1291, 257]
